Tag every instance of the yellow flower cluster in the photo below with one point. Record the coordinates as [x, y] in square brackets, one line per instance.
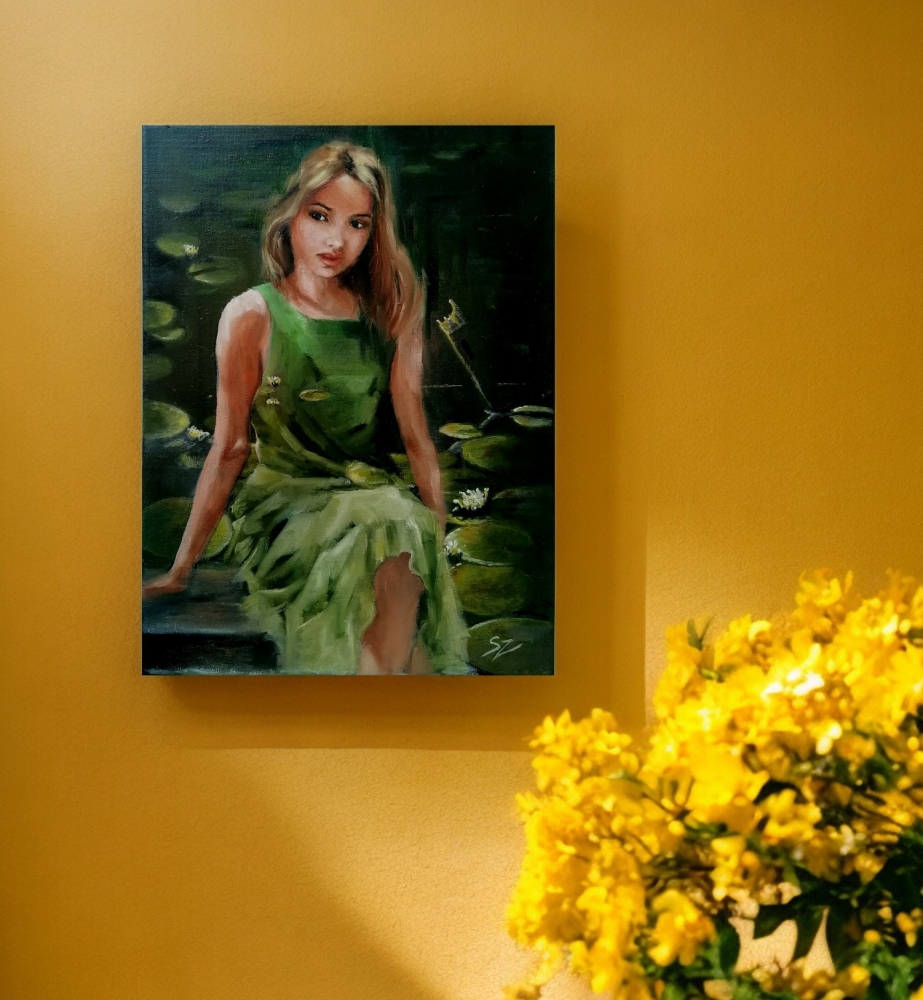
[580, 887]
[787, 744]
[819, 984]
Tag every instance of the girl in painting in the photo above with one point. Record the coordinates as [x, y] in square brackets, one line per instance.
[344, 566]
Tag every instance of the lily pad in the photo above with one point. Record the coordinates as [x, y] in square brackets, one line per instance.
[249, 200]
[178, 245]
[491, 543]
[491, 591]
[533, 422]
[179, 204]
[461, 432]
[155, 367]
[216, 271]
[455, 519]
[157, 315]
[496, 452]
[534, 411]
[163, 423]
[190, 460]
[163, 523]
[533, 416]
[314, 395]
[512, 646]
[169, 336]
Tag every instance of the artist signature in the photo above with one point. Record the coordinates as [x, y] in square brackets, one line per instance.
[500, 647]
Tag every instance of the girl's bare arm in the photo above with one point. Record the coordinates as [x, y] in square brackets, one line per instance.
[242, 334]
[407, 395]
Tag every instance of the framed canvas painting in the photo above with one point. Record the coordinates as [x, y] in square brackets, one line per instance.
[348, 400]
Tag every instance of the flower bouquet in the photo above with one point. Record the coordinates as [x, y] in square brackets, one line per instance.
[782, 781]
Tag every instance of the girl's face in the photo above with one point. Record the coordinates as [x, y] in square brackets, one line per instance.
[333, 227]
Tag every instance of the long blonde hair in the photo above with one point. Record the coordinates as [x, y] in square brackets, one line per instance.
[389, 291]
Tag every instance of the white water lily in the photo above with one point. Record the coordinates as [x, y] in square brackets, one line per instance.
[471, 499]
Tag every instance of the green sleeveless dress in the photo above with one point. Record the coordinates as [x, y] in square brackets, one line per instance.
[318, 515]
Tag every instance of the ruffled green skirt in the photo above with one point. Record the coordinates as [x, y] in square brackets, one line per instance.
[308, 550]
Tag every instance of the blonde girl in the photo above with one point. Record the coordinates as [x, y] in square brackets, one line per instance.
[343, 564]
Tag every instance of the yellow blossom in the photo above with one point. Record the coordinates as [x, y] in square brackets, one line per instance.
[789, 822]
[909, 924]
[680, 930]
[791, 743]
[682, 671]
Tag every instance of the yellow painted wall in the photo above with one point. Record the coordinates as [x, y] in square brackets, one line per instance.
[740, 214]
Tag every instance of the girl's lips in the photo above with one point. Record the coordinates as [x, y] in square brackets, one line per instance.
[330, 258]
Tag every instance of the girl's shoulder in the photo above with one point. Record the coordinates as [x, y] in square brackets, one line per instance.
[244, 318]
[252, 301]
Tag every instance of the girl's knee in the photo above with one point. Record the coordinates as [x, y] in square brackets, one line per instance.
[395, 573]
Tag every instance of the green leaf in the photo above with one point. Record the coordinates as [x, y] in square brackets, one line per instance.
[491, 591]
[532, 422]
[808, 923]
[169, 336]
[533, 416]
[249, 200]
[179, 204]
[728, 949]
[892, 975]
[157, 315]
[877, 991]
[534, 411]
[461, 432]
[673, 991]
[162, 422]
[770, 918]
[216, 271]
[695, 640]
[495, 452]
[840, 942]
[163, 523]
[190, 460]
[512, 646]
[490, 544]
[155, 367]
[177, 245]
[746, 989]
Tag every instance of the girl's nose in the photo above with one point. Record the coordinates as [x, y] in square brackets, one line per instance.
[335, 240]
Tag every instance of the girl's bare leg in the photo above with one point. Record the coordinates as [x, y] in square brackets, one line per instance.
[420, 663]
[388, 642]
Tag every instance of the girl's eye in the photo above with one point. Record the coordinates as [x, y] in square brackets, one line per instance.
[318, 216]
[359, 224]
